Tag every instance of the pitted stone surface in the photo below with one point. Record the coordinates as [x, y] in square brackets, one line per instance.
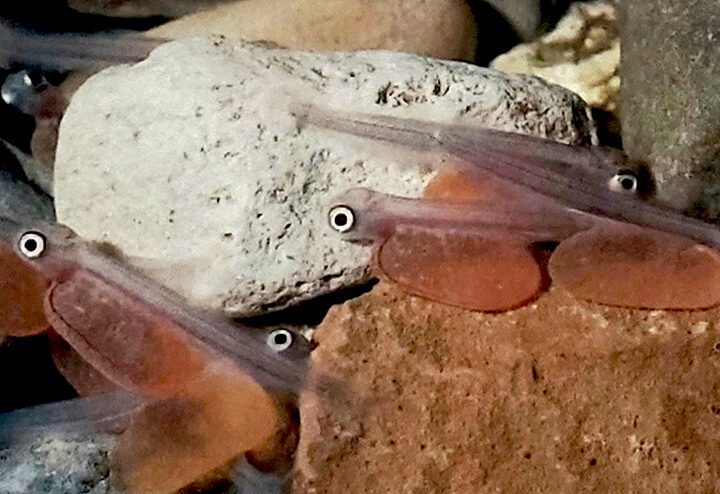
[58, 465]
[559, 396]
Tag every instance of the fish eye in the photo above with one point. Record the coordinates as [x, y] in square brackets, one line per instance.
[342, 219]
[32, 244]
[624, 181]
[280, 340]
[35, 79]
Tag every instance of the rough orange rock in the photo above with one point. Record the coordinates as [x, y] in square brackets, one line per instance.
[557, 396]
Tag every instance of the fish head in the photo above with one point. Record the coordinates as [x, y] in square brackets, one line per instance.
[28, 266]
[39, 245]
[22, 286]
[358, 215]
[31, 93]
[288, 343]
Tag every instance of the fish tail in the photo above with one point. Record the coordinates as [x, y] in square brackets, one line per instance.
[107, 412]
[71, 51]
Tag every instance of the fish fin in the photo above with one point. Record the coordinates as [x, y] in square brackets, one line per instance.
[472, 272]
[194, 276]
[629, 266]
[21, 296]
[117, 335]
[452, 184]
[247, 479]
[107, 412]
[481, 190]
[81, 375]
[216, 419]
[72, 51]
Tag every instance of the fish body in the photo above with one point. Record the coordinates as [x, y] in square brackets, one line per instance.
[67, 266]
[472, 243]
[573, 178]
[37, 173]
[170, 374]
[71, 51]
[77, 268]
[31, 93]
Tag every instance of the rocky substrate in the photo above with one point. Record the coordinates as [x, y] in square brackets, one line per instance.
[558, 396]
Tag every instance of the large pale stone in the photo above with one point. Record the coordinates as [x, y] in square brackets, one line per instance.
[193, 164]
[558, 396]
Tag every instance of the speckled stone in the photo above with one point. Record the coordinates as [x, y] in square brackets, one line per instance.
[58, 465]
[558, 396]
[192, 162]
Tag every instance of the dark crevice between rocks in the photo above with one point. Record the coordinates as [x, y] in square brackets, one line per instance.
[496, 35]
[29, 374]
[551, 11]
[310, 313]
[493, 27]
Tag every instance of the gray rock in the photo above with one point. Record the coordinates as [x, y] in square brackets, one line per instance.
[670, 97]
[193, 164]
[56, 465]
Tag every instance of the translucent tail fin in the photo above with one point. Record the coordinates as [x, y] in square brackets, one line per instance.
[105, 413]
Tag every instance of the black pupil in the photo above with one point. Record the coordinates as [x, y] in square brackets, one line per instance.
[31, 245]
[341, 219]
[281, 339]
[627, 183]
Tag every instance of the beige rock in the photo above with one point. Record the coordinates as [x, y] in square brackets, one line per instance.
[438, 28]
[581, 54]
[142, 8]
[559, 396]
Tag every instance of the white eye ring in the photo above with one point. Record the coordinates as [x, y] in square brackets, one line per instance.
[280, 340]
[342, 219]
[623, 181]
[32, 244]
